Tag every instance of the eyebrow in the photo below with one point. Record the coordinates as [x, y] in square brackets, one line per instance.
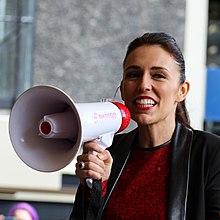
[158, 68]
[132, 67]
[152, 68]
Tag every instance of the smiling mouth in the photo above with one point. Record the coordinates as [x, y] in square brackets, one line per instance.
[145, 103]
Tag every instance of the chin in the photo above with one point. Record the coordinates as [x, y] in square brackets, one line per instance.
[142, 120]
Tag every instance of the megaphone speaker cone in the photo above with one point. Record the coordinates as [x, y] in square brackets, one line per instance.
[39, 153]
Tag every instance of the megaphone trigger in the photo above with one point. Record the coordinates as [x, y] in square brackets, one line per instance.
[105, 140]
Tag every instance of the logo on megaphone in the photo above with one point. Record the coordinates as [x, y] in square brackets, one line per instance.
[47, 128]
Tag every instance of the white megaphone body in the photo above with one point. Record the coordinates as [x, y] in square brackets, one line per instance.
[47, 128]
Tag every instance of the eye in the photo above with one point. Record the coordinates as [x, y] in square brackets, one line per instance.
[158, 76]
[133, 75]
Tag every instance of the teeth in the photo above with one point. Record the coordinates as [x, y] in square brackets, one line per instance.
[145, 102]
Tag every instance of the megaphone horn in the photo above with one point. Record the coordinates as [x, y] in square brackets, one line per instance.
[47, 128]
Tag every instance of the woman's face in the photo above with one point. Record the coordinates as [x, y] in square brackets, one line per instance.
[151, 85]
[22, 214]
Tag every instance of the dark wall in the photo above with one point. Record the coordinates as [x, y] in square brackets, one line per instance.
[80, 45]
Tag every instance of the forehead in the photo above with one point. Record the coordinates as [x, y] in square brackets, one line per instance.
[150, 55]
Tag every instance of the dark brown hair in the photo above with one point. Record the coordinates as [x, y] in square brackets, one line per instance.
[169, 44]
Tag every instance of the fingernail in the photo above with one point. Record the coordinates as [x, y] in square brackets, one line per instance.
[100, 156]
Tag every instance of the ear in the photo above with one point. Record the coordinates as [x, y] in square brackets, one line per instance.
[183, 91]
[122, 90]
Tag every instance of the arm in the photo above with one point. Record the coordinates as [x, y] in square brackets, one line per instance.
[97, 167]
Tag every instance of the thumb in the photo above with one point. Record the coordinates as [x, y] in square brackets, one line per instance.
[106, 157]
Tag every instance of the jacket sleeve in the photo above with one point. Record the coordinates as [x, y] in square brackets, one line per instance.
[87, 202]
[213, 186]
[81, 203]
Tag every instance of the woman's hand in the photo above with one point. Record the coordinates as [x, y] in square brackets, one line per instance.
[96, 166]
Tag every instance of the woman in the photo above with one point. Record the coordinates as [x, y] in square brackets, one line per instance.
[164, 169]
[23, 211]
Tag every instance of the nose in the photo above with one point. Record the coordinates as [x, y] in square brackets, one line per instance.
[145, 83]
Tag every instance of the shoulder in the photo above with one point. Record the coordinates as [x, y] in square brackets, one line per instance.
[206, 137]
[208, 142]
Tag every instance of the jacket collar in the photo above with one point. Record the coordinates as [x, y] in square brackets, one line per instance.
[179, 172]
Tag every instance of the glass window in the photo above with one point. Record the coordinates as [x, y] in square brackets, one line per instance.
[16, 48]
[213, 47]
[212, 115]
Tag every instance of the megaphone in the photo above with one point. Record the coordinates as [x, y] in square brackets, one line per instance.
[47, 128]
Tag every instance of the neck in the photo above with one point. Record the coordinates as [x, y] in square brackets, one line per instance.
[154, 135]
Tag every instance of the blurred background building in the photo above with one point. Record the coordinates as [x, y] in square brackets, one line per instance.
[78, 46]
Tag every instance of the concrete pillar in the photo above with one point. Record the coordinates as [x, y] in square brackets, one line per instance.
[195, 56]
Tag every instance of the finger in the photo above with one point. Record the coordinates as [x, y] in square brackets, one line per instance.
[90, 158]
[92, 175]
[91, 170]
[99, 168]
[91, 146]
[105, 156]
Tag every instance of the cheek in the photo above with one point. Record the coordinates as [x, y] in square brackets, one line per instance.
[124, 91]
[172, 96]
[127, 96]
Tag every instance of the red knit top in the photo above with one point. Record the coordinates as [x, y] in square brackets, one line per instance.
[142, 189]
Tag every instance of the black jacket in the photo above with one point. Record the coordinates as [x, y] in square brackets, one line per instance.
[194, 180]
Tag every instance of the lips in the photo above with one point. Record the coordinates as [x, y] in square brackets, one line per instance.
[145, 103]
